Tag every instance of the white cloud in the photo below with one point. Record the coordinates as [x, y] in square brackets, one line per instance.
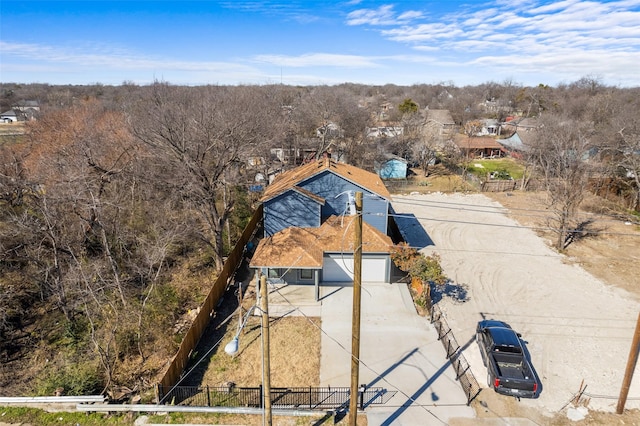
[384, 15]
[553, 7]
[424, 32]
[103, 57]
[381, 16]
[319, 60]
[410, 15]
[564, 38]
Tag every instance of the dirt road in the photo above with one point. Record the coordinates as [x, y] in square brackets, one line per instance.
[578, 328]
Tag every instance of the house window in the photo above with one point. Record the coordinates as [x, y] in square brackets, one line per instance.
[273, 273]
[306, 274]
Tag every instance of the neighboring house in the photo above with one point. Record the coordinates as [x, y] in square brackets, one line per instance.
[490, 127]
[472, 147]
[384, 131]
[385, 110]
[495, 106]
[285, 155]
[329, 129]
[524, 135]
[393, 167]
[22, 111]
[27, 110]
[9, 116]
[440, 121]
[513, 145]
[518, 143]
[308, 235]
[514, 124]
[27, 105]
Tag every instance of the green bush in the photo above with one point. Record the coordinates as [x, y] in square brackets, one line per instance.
[428, 269]
[75, 379]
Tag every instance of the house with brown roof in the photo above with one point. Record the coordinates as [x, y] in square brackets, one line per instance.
[308, 217]
[439, 121]
[482, 147]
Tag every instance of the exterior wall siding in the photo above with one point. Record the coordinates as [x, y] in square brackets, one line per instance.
[329, 185]
[339, 268]
[290, 209]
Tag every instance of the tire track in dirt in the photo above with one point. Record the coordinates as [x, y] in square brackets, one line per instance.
[576, 326]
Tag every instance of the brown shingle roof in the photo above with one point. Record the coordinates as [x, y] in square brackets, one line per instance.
[304, 247]
[465, 142]
[289, 247]
[309, 194]
[291, 178]
[442, 116]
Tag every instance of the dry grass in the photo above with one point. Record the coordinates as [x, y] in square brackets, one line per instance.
[294, 351]
[294, 356]
[439, 180]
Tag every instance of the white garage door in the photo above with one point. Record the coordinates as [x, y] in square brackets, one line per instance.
[339, 268]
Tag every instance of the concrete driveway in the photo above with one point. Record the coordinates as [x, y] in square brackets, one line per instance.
[399, 351]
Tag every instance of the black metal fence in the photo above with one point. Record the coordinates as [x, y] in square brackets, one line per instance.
[311, 398]
[464, 375]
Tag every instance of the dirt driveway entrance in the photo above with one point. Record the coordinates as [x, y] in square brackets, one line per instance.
[578, 329]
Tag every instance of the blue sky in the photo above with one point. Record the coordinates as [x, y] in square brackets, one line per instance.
[320, 42]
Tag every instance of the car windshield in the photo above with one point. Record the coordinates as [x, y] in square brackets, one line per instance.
[508, 349]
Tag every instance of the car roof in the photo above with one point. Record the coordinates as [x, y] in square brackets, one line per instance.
[493, 323]
[503, 336]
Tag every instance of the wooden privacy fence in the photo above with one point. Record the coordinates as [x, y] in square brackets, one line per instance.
[498, 185]
[191, 339]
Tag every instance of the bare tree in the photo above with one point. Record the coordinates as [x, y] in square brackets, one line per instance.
[331, 121]
[83, 225]
[425, 149]
[626, 155]
[561, 156]
[199, 137]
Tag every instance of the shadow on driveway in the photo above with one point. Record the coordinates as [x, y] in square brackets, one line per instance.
[412, 232]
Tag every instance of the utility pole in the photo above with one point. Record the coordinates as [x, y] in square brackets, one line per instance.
[355, 320]
[631, 365]
[266, 363]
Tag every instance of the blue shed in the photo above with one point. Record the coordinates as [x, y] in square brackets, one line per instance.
[393, 167]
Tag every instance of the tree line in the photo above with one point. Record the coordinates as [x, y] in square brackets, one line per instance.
[117, 197]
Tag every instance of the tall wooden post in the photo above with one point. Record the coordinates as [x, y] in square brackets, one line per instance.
[631, 365]
[266, 360]
[355, 320]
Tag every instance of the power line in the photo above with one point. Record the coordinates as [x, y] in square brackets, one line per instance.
[443, 205]
[501, 225]
[496, 209]
[341, 346]
[296, 308]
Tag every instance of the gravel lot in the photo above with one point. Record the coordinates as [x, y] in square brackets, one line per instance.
[578, 329]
